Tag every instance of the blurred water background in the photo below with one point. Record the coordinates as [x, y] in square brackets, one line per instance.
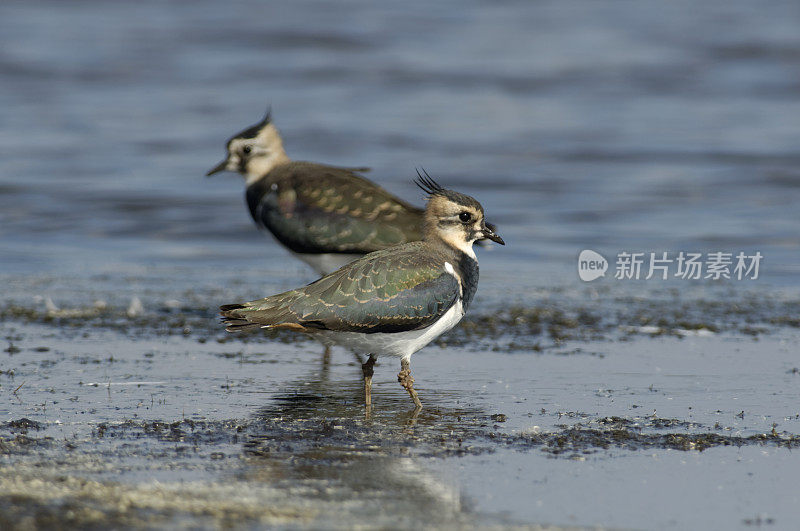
[646, 126]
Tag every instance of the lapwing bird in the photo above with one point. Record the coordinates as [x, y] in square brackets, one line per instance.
[390, 302]
[325, 215]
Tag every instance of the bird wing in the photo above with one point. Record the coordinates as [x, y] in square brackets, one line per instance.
[394, 290]
[312, 208]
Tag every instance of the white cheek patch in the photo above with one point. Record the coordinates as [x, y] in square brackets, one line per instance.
[449, 268]
[457, 241]
[469, 251]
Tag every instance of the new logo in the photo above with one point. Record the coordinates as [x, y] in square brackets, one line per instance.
[591, 265]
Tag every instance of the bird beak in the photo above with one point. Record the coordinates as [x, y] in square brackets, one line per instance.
[222, 166]
[488, 233]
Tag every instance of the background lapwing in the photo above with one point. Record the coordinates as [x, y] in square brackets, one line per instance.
[391, 302]
[325, 215]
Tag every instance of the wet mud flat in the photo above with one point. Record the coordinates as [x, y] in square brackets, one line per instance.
[540, 416]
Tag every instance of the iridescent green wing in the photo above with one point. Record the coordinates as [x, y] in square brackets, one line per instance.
[389, 291]
[313, 208]
[396, 290]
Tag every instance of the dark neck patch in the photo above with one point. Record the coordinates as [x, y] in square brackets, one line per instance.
[468, 269]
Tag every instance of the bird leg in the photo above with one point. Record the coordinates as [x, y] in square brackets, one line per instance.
[407, 381]
[326, 356]
[367, 369]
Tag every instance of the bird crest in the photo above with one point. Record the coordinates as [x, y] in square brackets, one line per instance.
[427, 184]
[267, 117]
[254, 130]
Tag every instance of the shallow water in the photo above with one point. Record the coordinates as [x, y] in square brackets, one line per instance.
[612, 434]
[622, 127]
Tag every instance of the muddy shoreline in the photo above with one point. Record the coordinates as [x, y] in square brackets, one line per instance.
[107, 427]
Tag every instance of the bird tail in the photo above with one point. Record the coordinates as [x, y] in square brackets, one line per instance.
[234, 319]
[271, 312]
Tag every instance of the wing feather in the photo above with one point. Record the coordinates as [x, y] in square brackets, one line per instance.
[312, 208]
[395, 290]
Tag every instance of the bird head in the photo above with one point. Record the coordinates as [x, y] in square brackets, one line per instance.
[455, 218]
[254, 151]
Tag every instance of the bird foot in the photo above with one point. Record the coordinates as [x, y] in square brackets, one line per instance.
[367, 368]
[326, 357]
[407, 381]
[368, 391]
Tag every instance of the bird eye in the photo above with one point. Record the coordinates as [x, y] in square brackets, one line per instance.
[465, 217]
[247, 149]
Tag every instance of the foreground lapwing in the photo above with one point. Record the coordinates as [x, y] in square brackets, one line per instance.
[325, 215]
[391, 302]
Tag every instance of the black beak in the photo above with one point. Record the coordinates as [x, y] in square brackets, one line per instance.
[222, 166]
[489, 234]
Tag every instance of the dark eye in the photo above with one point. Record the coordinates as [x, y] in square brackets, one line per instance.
[246, 150]
[465, 217]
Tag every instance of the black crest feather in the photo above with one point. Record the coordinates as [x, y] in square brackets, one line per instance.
[267, 117]
[254, 130]
[427, 184]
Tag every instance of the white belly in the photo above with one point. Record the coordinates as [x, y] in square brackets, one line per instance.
[322, 263]
[402, 344]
